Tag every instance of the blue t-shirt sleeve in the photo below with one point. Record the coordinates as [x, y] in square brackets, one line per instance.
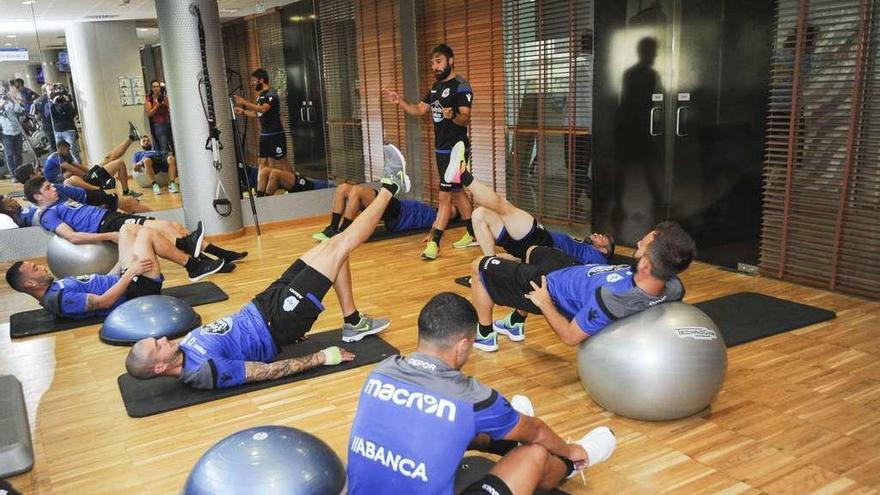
[73, 304]
[464, 96]
[138, 156]
[495, 416]
[50, 220]
[52, 169]
[227, 372]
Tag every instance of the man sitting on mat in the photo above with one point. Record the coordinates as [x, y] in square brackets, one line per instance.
[269, 179]
[238, 348]
[400, 215]
[153, 162]
[93, 197]
[61, 167]
[579, 300]
[79, 224]
[98, 294]
[421, 411]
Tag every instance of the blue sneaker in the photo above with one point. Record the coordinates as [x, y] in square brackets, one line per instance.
[513, 331]
[488, 344]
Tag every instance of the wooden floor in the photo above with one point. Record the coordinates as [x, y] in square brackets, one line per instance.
[799, 412]
[164, 201]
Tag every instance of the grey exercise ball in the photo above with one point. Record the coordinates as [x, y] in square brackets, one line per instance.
[148, 316]
[140, 176]
[275, 460]
[666, 362]
[68, 260]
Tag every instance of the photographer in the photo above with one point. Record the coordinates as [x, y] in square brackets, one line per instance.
[11, 111]
[63, 113]
[41, 110]
[27, 95]
[158, 111]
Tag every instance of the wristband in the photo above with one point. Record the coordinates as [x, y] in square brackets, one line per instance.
[332, 356]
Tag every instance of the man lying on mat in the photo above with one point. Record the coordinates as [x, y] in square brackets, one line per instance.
[98, 294]
[238, 348]
[579, 300]
[349, 200]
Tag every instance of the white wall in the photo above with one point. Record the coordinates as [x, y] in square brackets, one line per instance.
[101, 52]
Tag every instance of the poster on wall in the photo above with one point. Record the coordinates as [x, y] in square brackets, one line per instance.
[13, 55]
[131, 90]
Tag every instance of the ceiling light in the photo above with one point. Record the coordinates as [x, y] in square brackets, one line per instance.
[29, 2]
[11, 36]
[7, 44]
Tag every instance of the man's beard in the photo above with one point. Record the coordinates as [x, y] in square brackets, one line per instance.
[443, 74]
[148, 146]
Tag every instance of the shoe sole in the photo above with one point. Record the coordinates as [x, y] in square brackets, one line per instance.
[456, 156]
[428, 258]
[486, 348]
[470, 244]
[196, 279]
[198, 249]
[503, 331]
[319, 238]
[358, 336]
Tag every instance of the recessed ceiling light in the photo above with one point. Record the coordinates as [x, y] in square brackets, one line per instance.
[11, 36]
[7, 44]
[29, 2]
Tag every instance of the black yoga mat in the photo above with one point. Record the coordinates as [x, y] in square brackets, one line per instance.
[148, 397]
[382, 234]
[473, 468]
[747, 316]
[40, 321]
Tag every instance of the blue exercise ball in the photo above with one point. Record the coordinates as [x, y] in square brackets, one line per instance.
[275, 460]
[148, 316]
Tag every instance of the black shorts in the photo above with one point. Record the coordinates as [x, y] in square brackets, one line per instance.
[113, 221]
[99, 177]
[159, 161]
[273, 146]
[538, 236]
[143, 286]
[488, 485]
[291, 304]
[102, 199]
[507, 282]
[442, 163]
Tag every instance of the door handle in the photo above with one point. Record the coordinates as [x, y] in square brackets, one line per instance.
[302, 114]
[310, 114]
[651, 123]
[678, 122]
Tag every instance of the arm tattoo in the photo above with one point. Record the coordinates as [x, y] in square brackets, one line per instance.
[255, 372]
[91, 302]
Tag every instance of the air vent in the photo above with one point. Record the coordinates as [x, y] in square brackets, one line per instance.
[101, 17]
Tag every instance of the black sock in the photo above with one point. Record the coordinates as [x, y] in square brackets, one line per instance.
[223, 253]
[438, 234]
[484, 330]
[260, 194]
[191, 264]
[125, 191]
[466, 178]
[353, 318]
[569, 466]
[154, 183]
[334, 220]
[469, 226]
[345, 223]
[515, 317]
[392, 188]
[501, 447]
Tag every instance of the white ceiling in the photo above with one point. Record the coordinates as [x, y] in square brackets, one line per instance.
[17, 25]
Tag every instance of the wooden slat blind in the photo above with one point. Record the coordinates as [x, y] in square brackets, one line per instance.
[548, 94]
[821, 221]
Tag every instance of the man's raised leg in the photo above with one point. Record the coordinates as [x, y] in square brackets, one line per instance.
[117, 152]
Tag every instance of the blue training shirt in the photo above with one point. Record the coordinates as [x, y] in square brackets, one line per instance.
[414, 215]
[26, 215]
[67, 297]
[596, 295]
[141, 154]
[415, 419]
[80, 217]
[74, 193]
[52, 168]
[581, 250]
[214, 354]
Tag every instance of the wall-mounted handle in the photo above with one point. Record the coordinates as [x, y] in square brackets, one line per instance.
[678, 122]
[651, 123]
[302, 114]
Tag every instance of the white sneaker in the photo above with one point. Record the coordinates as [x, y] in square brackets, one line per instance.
[522, 405]
[599, 444]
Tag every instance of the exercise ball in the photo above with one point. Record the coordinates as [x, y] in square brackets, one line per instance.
[140, 176]
[148, 316]
[68, 260]
[274, 460]
[663, 363]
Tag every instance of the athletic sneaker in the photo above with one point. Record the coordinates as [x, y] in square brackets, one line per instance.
[367, 326]
[599, 444]
[133, 194]
[514, 331]
[325, 234]
[133, 133]
[487, 344]
[156, 189]
[395, 169]
[192, 243]
[522, 405]
[466, 241]
[172, 188]
[204, 268]
[431, 251]
[457, 164]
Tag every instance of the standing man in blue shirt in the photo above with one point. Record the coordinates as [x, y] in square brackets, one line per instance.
[238, 349]
[273, 140]
[449, 101]
[11, 110]
[417, 415]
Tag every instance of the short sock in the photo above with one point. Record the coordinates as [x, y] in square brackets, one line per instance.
[469, 226]
[501, 447]
[515, 318]
[466, 178]
[438, 234]
[345, 223]
[154, 183]
[392, 188]
[353, 318]
[334, 219]
[125, 191]
[569, 466]
[484, 330]
[260, 194]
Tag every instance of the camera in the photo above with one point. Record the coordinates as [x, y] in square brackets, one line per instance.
[162, 92]
[58, 94]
